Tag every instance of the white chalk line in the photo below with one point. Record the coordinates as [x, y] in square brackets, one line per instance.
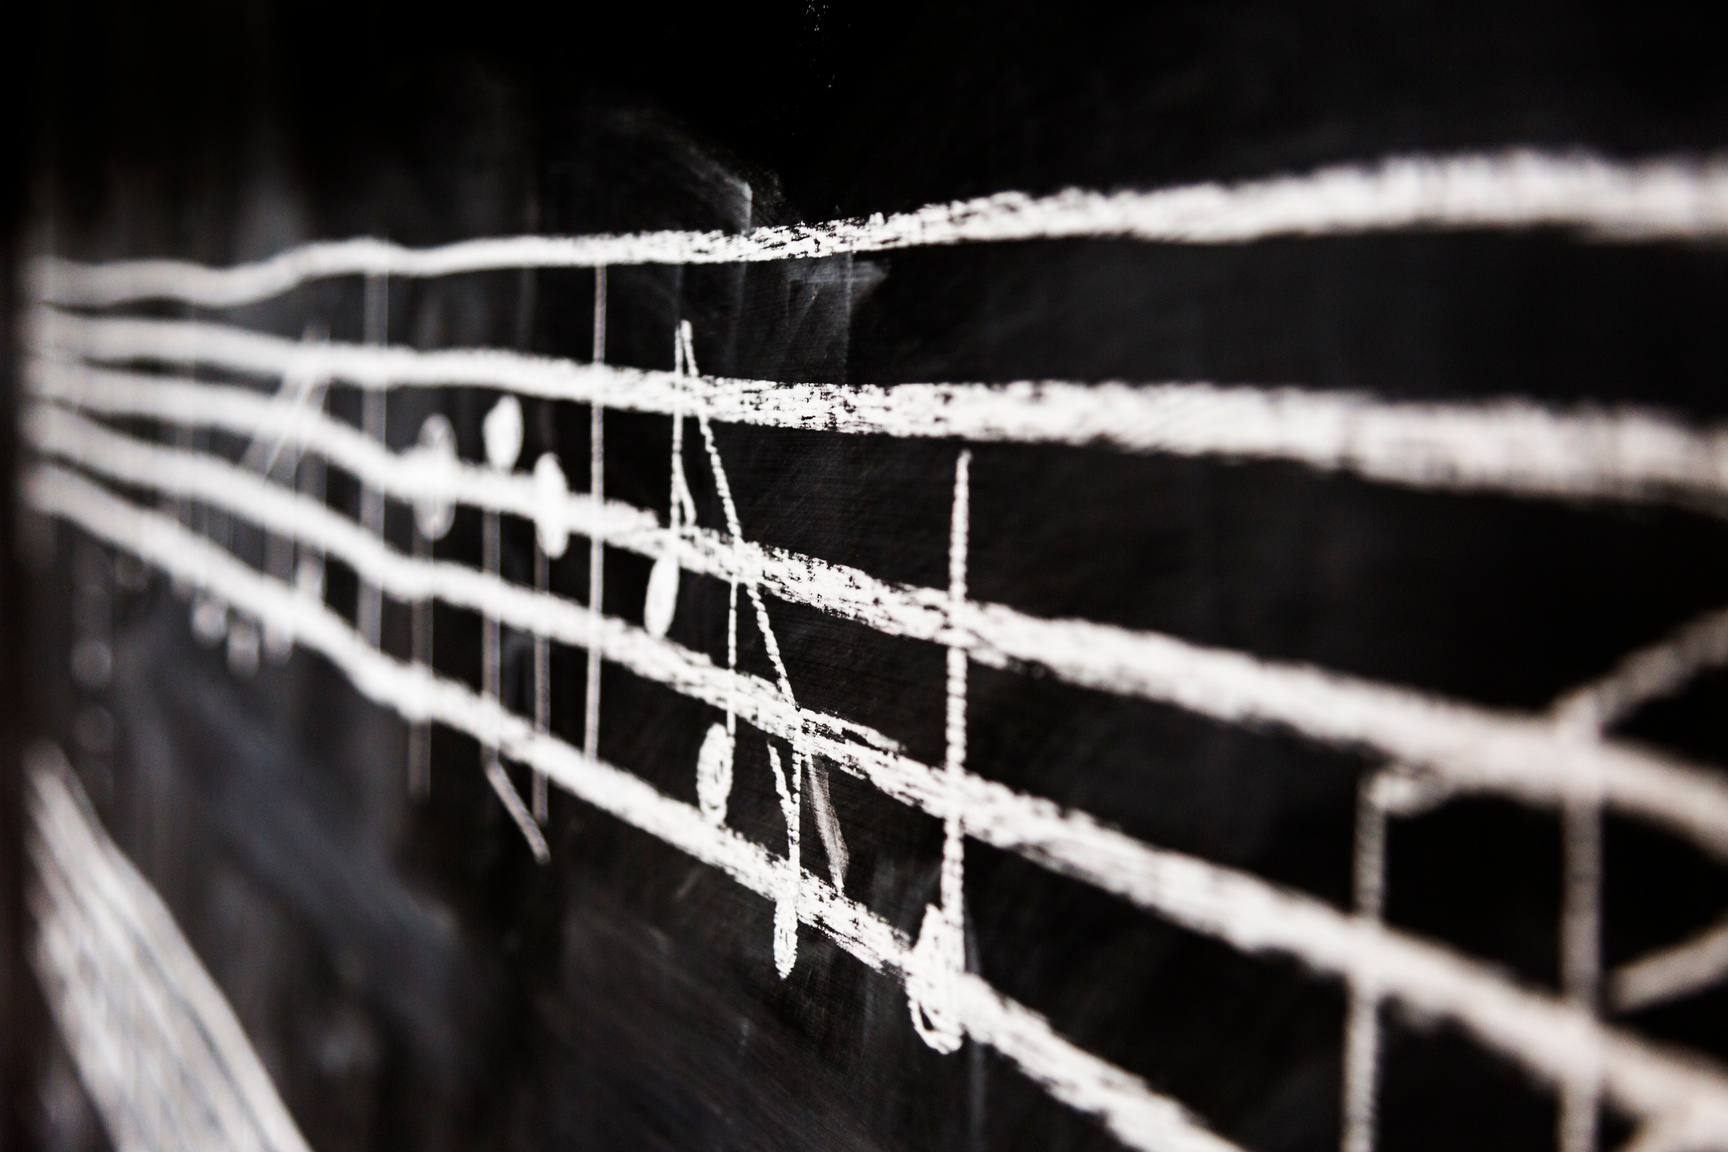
[941, 936]
[1361, 1071]
[375, 322]
[1472, 748]
[1649, 673]
[1510, 446]
[1655, 199]
[1244, 911]
[1580, 956]
[1670, 973]
[149, 1029]
[413, 475]
[1138, 1116]
[596, 550]
[117, 1034]
[162, 1068]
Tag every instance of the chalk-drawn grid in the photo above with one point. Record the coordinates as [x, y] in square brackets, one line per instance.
[83, 377]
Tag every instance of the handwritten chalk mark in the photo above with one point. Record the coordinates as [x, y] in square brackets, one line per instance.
[827, 824]
[297, 395]
[1063, 838]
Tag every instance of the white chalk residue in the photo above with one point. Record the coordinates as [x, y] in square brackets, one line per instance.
[1509, 445]
[154, 1041]
[1604, 199]
[596, 542]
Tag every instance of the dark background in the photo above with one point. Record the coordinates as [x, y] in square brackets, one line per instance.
[412, 977]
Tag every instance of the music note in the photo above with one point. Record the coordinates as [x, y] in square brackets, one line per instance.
[436, 447]
[502, 434]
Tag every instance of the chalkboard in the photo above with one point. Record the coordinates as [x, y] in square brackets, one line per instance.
[849, 577]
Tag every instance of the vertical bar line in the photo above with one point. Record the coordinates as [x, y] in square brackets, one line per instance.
[373, 420]
[542, 681]
[596, 551]
[1581, 955]
[489, 656]
[420, 732]
[539, 802]
[954, 758]
[309, 565]
[1362, 1024]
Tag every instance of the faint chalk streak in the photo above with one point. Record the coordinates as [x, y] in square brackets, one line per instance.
[155, 1042]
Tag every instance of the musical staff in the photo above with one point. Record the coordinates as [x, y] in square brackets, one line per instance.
[82, 372]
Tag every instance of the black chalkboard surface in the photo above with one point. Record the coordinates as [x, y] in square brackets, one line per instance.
[827, 576]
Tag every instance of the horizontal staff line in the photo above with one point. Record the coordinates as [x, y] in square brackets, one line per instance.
[1243, 910]
[1508, 445]
[1534, 759]
[1671, 198]
[1134, 1113]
